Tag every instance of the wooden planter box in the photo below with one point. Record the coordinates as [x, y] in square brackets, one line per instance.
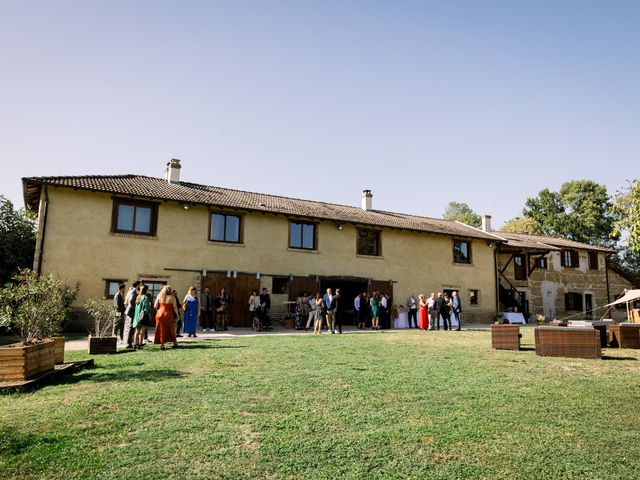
[99, 345]
[287, 323]
[58, 350]
[19, 362]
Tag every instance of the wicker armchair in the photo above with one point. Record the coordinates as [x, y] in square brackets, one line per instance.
[505, 337]
[625, 335]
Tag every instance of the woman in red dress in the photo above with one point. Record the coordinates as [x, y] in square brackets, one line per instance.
[166, 313]
[423, 322]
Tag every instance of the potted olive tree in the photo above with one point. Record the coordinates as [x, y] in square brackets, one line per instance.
[35, 307]
[103, 339]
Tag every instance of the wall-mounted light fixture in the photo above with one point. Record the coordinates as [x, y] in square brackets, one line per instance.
[204, 273]
[185, 206]
[341, 227]
[258, 275]
[229, 273]
[235, 274]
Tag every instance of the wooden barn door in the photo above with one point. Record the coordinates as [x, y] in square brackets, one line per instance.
[238, 289]
[303, 284]
[383, 286]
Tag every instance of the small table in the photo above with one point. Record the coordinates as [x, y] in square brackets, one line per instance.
[402, 321]
[514, 317]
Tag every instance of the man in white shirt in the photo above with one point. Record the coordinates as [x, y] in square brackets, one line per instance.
[432, 311]
[384, 311]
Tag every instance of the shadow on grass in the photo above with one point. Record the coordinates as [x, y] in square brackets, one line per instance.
[202, 346]
[527, 349]
[627, 359]
[101, 375]
[13, 442]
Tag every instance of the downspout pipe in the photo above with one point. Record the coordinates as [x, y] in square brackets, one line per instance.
[495, 273]
[44, 214]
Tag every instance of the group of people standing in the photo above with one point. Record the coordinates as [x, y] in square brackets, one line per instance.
[430, 313]
[208, 310]
[136, 315]
[330, 310]
[321, 310]
[211, 312]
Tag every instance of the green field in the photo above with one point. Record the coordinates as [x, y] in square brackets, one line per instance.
[389, 405]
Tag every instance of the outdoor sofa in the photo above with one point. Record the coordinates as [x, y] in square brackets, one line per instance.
[580, 342]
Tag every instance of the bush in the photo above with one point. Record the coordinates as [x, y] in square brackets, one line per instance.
[35, 306]
[103, 315]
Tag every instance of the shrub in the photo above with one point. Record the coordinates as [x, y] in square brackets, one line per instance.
[103, 315]
[35, 305]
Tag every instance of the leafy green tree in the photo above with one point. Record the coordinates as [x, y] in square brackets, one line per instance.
[627, 208]
[521, 225]
[462, 213]
[581, 210]
[35, 306]
[17, 239]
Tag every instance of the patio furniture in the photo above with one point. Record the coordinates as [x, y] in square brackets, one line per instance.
[604, 337]
[624, 335]
[514, 317]
[505, 337]
[573, 342]
[558, 323]
[600, 326]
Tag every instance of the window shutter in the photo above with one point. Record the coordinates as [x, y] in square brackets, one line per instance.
[562, 257]
[567, 302]
[575, 258]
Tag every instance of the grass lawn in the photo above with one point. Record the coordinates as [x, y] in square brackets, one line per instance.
[390, 405]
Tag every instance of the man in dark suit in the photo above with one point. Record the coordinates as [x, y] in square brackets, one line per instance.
[443, 311]
[118, 302]
[337, 309]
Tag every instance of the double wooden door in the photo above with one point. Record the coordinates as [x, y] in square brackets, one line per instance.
[238, 289]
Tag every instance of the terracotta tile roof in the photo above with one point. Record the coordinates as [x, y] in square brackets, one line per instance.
[157, 188]
[551, 243]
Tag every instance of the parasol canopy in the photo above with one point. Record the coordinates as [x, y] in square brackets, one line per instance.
[629, 296]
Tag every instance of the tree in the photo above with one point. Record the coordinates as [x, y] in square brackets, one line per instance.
[17, 239]
[521, 225]
[462, 213]
[627, 208]
[36, 306]
[580, 211]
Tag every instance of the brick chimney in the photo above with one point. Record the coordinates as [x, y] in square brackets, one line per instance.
[172, 171]
[367, 198]
[486, 223]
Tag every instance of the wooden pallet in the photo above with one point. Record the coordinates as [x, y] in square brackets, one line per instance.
[46, 377]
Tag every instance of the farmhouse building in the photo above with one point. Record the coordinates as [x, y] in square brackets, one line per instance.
[557, 278]
[103, 230]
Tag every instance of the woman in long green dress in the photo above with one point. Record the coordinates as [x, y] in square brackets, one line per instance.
[375, 318]
[141, 317]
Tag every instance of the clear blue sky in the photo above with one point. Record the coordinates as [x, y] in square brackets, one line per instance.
[483, 102]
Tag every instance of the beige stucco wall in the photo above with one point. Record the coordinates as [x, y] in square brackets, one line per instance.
[80, 247]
